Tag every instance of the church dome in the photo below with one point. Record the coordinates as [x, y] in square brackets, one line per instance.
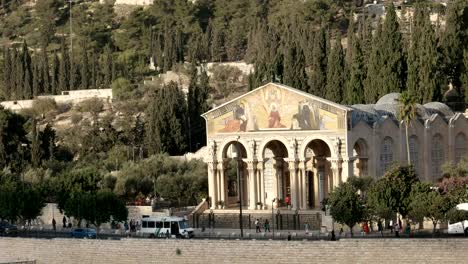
[451, 96]
[439, 108]
[391, 98]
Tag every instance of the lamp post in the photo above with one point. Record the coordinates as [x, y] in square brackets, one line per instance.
[239, 188]
[273, 216]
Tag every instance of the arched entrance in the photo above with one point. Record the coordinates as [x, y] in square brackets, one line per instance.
[229, 183]
[276, 180]
[319, 176]
[360, 167]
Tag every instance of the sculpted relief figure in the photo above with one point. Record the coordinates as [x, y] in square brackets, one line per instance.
[338, 146]
[212, 149]
[253, 147]
[293, 147]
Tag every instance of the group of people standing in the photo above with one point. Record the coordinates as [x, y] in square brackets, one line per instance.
[258, 224]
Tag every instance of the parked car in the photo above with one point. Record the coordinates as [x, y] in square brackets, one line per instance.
[84, 233]
[7, 228]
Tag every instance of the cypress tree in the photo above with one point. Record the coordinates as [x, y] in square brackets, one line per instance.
[167, 119]
[16, 93]
[64, 74]
[391, 54]
[107, 66]
[350, 39]
[73, 73]
[355, 86]
[94, 71]
[45, 72]
[7, 66]
[317, 80]
[294, 67]
[335, 73]
[170, 54]
[465, 74]
[84, 69]
[207, 41]
[54, 80]
[453, 42]
[36, 79]
[179, 45]
[422, 57]
[26, 65]
[218, 50]
[373, 82]
[35, 145]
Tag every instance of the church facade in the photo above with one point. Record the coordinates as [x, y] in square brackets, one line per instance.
[295, 147]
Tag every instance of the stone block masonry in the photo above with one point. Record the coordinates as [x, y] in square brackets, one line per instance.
[233, 251]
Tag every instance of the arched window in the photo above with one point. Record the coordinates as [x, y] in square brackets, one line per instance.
[460, 146]
[437, 156]
[414, 153]
[386, 154]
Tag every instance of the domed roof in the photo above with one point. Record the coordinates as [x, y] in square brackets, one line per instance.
[391, 98]
[387, 109]
[439, 108]
[364, 112]
[451, 96]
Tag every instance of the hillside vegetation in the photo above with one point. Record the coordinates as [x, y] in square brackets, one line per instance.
[333, 49]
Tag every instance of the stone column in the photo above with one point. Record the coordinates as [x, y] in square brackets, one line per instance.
[451, 142]
[318, 186]
[261, 183]
[294, 183]
[278, 172]
[222, 183]
[212, 184]
[303, 189]
[347, 168]
[251, 168]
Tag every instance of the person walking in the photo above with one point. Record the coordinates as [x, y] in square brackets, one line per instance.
[397, 229]
[54, 223]
[266, 225]
[390, 225]
[257, 226]
[64, 221]
[379, 227]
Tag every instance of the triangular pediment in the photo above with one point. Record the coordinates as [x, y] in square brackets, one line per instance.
[274, 107]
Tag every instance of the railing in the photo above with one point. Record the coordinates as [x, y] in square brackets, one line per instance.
[20, 262]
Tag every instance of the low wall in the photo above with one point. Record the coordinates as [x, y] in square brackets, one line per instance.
[234, 251]
[74, 97]
[51, 211]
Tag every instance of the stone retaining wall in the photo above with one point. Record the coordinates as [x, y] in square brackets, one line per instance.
[234, 251]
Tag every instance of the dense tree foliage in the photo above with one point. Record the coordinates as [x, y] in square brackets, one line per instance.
[346, 206]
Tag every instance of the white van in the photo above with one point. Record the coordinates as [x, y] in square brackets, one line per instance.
[165, 226]
[459, 227]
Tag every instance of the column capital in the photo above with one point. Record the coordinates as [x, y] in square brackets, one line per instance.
[292, 163]
[260, 165]
[212, 164]
[251, 164]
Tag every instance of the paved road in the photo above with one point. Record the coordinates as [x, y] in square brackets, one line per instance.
[231, 234]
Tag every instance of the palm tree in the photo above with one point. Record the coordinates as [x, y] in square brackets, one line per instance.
[406, 113]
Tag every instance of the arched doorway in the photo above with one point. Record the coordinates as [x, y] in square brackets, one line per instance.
[276, 180]
[319, 176]
[360, 154]
[229, 183]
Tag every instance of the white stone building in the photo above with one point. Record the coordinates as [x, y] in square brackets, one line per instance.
[297, 146]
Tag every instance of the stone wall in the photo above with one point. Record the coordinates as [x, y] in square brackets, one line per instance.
[233, 251]
[72, 97]
[51, 211]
